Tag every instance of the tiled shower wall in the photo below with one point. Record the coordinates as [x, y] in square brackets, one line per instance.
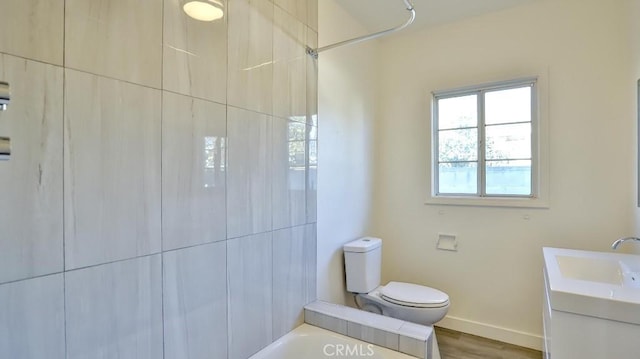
[160, 198]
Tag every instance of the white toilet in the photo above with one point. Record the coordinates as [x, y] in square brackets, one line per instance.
[406, 301]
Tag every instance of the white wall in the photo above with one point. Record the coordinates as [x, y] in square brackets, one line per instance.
[346, 106]
[494, 280]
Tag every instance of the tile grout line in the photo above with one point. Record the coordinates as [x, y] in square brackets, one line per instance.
[162, 313]
[108, 77]
[34, 59]
[273, 322]
[124, 259]
[14, 281]
[226, 189]
[149, 255]
[275, 99]
[64, 144]
[113, 262]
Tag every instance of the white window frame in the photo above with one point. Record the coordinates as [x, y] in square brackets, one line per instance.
[539, 150]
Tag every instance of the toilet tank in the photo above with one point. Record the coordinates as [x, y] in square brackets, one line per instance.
[362, 262]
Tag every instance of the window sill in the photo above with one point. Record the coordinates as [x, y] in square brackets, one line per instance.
[488, 202]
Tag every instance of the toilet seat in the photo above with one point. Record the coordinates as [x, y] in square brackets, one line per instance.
[414, 295]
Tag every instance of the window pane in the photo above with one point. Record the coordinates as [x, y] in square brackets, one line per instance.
[458, 112]
[458, 178]
[458, 145]
[503, 106]
[508, 177]
[508, 141]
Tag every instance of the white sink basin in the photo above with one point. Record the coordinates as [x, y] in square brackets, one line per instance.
[602, 270]
[599, 284]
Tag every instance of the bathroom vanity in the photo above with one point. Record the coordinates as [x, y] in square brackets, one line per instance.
[591, 305]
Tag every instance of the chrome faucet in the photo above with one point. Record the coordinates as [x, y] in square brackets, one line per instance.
[618, 242]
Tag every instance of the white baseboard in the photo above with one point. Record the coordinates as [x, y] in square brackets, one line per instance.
[527, 340]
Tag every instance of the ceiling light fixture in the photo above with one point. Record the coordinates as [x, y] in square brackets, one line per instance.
[204, 10]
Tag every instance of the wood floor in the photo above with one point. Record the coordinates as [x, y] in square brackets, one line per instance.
[456, 345]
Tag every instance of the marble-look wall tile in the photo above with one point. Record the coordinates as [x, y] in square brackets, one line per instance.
[250, 42]
[312, 135]
[250, 294]
[297, 8]
[194, 54]
[354, 315]
[410, 338]
[31, 240]
[413, 347]
[249, 173]
[292, 276]
[416, 340]
[33, 29]
[32, 319]
[289, 173]
[115, 310]
[336, 310]
[194, 149]
[416, 331]
[311, 261]
[312, 80]
[373, 335]
[289, 67]
[325, 321]
[195, 302]
[112, 170]
[115, 38]
[312, 174]
[122, 158]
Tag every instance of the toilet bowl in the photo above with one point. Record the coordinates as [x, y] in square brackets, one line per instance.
[405, 301]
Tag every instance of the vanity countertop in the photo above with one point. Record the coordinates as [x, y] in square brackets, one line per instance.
[599, 284]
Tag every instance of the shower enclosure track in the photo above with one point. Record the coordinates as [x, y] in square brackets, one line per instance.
[409, 6]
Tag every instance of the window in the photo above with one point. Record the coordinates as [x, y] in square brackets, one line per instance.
[485, 141]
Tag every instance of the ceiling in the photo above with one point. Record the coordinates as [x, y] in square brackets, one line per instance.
[378, 15]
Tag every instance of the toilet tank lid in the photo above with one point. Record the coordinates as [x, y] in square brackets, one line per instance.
[362, 245]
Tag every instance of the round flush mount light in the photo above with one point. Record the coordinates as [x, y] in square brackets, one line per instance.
[204, 10]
